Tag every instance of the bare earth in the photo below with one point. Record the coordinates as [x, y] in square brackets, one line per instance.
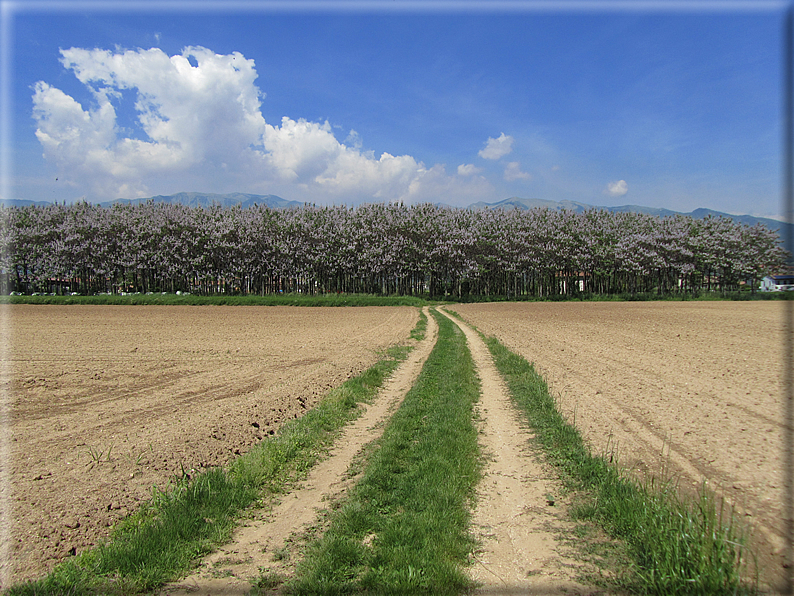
[519, 517]
[516, 517]
[694, 386]
[108, 401]
[266, 541]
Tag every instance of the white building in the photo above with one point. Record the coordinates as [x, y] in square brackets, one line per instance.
[777, 283]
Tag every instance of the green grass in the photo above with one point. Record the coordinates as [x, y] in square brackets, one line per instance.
[185, 521]
[250, 300]
[404, 527]
[418, 332]
[677, 545]
[371, 299]
[699, 296]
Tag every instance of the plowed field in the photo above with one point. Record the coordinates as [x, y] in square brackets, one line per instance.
[108, 401]
[696, 387]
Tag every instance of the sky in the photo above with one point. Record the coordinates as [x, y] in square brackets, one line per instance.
[674, 105]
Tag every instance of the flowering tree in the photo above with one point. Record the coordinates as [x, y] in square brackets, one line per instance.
[376, 248]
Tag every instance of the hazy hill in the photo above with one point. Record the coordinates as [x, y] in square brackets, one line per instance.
[204, 199]
[518, 203]
[190, 199]
[23, 203]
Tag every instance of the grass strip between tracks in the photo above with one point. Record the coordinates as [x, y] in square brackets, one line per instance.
[677, 545]
[403, 529]
[188, 519]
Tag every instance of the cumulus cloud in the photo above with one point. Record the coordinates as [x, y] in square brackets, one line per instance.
[192, 117]
[468, 170]
[354, 140]
[199, 120]
[496, 148]
[617, 189]
[513, 172]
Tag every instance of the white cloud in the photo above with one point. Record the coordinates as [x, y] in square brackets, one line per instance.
[617, 189]
[354, 140]
[436, 185]
[513, 172]
[496, 148]
[468, 170]
[202, 125]
[194, 117]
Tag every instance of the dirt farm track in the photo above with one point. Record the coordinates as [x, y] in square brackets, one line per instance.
[693, 386]
[152, 389]
[106, 401]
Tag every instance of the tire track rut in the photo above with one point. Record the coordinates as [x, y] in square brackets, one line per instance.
[518, 518]
[263, 542]
[685, 391]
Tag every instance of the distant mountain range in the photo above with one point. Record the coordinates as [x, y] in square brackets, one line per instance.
[518, 203]
[750, 220]
[190, 199]
[199, 199]
[203, 199]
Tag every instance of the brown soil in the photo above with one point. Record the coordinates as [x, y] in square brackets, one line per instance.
[520, 514]
[269, 540]
[107, 402]
[696, 387]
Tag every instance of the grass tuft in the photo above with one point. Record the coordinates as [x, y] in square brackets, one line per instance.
[418, 333]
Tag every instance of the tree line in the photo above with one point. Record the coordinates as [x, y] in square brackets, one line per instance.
[423, 250]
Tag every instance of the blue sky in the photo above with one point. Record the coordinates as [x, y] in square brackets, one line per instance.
[381, 101]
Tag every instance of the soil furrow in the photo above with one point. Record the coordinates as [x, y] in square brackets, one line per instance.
[689, 390]
[192, 387]
[268, 541]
